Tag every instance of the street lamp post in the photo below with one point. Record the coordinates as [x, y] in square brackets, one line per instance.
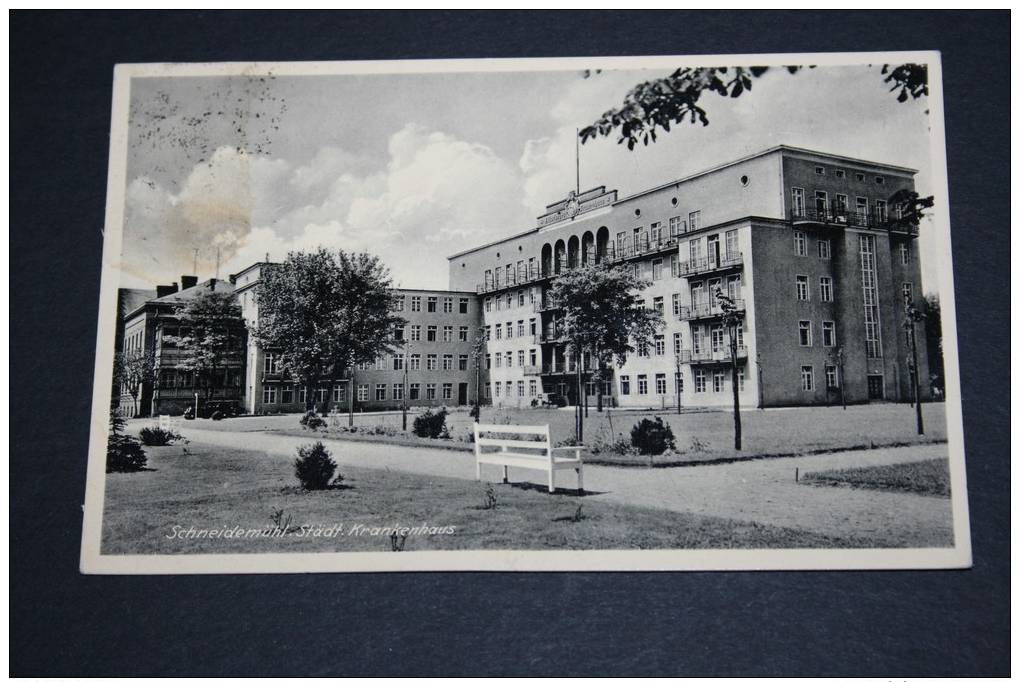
[732, 320]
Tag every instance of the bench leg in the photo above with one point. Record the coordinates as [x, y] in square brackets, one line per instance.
[478, 470]
[580, 481]
[552, 481]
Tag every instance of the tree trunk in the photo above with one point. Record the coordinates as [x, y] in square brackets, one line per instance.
[580, 408]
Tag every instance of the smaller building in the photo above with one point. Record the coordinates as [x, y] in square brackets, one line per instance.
[149, 328]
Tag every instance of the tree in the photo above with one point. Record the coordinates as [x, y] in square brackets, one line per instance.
[211, 337]
[933, 339]
[602, 318]
[913, 315]
[477, 351]
[732, 320]
[663, 102]
[132, 370]
[324, 312]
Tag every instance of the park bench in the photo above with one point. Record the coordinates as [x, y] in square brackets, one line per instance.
[167, 423]
[535, 453]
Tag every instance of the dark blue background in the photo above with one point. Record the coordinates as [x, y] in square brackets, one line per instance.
[934, 623]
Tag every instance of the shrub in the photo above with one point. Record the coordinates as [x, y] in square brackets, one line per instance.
[431, 424]
[312, 421]
[154, 435]
[476, 411]
[123, 453]
[314, 467]
[652, 437]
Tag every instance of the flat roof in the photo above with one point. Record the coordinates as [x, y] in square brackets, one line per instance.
[765, 152]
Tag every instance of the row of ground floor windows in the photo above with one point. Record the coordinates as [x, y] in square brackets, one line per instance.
[283, 394]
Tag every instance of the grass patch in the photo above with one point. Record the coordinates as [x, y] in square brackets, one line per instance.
[221, 488]
[926, 477]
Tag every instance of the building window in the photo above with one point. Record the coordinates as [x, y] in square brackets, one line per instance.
[398, 304]
[463, 334]
[302, 395]
[520, 298]
[802, 288]
[416, 332]
[380, 391]
[718, 338]
[532, 357]
[271, 363]
[676, 305]
[431, 303]
[430, 391]
[824, 249]
[414, 392]
[694, 220]
[679, 382]
[447, 304]
[740, 380]
[819, 170]
[509, 358]
[700, 381]
[642, 384]
[431, 362]
[269, 394]
[657, 269]
[499, 332]
[732, 248]
[520, 389]
[904, 254]
[660, 344]
[463, 306]
[718, 381]
[416, 304]
[488, 361]
[509, 330]
[831, 377]
[625, 385]
[488, 304]
[879, 180]
[532, 388]
[797, 198]
[398, 362]
[659, 305]
[825, 289]
[859, 177]
[677, 343]
[862, 207]
[799, 243]
[828, 334]
[398, 391]
[447, 334]
[677, 226]
[462, 362]
[807, 377]
[660, 384]
[431, 333]
[415, 361]
[447, 391]
[447, 362]
[362, 392]
[520, 358]
[339, 393]
[908, 291]
[804, 329]
[840, 173]
[287, 394]
[499, 360]
[881, 212]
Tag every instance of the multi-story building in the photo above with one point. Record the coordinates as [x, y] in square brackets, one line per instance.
[436, 366]
[146, 329]
[802, 241]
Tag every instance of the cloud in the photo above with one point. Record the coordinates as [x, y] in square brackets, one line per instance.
[434, 194]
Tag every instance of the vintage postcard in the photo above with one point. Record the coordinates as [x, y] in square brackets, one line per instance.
[588, 314]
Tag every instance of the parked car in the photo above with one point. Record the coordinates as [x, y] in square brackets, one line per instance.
[551, 400]
[218, 409]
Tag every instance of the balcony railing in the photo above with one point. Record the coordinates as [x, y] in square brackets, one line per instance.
[699, 266]
[513, 279]
[703, 310]
[532, 370]
[846, 217]
[709, 356]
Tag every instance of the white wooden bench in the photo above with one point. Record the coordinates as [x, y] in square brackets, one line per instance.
[167, 423]
[527, 454]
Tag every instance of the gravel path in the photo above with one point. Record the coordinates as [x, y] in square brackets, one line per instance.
[756, 490]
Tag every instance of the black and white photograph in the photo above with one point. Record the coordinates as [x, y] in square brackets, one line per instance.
[587, 314]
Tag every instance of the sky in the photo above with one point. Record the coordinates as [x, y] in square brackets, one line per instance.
[416, 167]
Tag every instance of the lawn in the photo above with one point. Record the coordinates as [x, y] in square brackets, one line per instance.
[701, 436]
[197, 487]
[926, 477]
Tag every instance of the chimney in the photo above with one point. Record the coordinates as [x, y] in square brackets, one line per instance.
[188, 281]
[165, 289]
[212, 284]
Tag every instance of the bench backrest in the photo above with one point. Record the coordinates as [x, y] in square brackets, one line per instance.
[493, 439]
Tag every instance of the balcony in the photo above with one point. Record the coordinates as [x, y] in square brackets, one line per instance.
[706, 310]
[544, 306]
[707, 356]
[842, 217]
[532, 370]
[700, 266]
[508, 281]
[642, 246]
